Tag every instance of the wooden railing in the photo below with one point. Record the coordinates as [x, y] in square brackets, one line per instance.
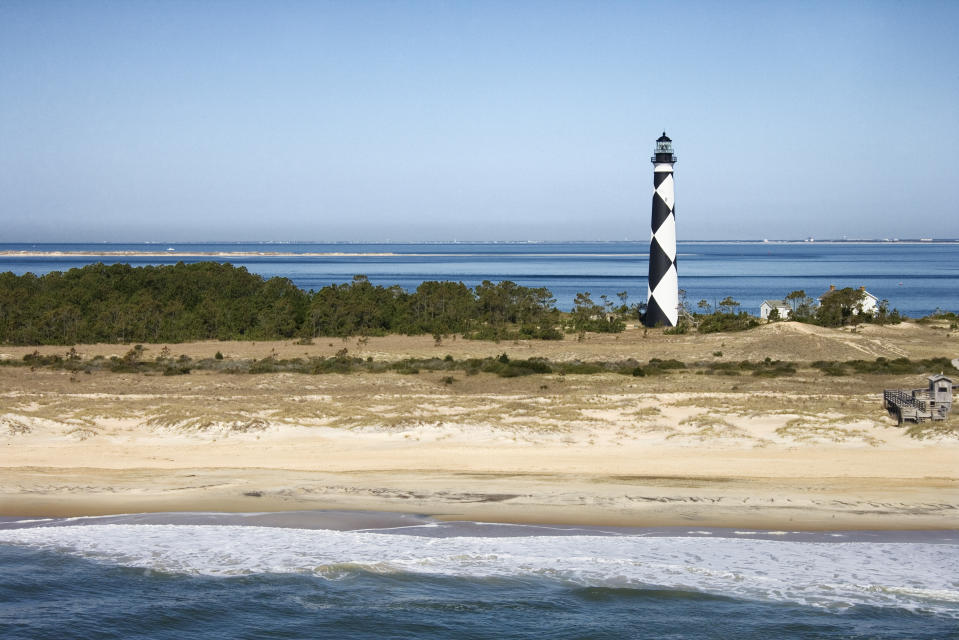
[899, 397]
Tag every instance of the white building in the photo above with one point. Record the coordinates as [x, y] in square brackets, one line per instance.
[868, 302]
[780, 305]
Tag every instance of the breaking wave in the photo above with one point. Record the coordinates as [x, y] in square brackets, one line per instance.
[920, 577]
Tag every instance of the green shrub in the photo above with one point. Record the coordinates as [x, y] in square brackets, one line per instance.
[725, 322]
[581, 368]
[666, 364]
[830, 368]
[682, 327]
[775, 370]
[548, 333]
[266, 365]
[176, 371]
[513, 368]
[881, 365]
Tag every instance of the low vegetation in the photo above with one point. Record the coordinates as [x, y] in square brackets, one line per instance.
[209, 300]
[896, 366]
[838, 308]
[932, 430]
[503, 366]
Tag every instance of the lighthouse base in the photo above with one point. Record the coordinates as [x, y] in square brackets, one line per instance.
[655, 316]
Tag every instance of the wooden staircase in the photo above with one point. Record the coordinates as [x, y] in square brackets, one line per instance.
[905, 406]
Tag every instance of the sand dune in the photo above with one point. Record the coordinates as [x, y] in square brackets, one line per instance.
[800, 452]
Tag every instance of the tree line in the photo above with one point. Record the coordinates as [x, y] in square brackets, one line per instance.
[217, 301]
[210, 300]
[835, 308]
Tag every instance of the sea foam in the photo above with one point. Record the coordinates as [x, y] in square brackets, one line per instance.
[915, 576]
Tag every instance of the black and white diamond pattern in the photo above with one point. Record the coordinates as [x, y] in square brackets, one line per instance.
[663, 292]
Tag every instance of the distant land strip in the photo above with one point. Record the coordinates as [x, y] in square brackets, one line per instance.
[187, 254]
[254, 254]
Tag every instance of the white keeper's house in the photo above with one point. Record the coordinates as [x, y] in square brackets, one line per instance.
[868, 302]
[780, 305]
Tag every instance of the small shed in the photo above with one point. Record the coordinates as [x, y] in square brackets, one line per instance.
[919, 405]
[940, 391]
[780, 305]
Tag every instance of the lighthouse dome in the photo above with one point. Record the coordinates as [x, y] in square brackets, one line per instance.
[664, 150]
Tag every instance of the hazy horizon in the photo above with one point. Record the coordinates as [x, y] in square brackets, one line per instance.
[869, 240]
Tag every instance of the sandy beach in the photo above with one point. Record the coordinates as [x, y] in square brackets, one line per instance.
[798, 453]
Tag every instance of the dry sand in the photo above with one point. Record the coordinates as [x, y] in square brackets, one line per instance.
[803, 452]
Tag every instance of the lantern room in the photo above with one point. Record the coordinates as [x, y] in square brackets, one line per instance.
[664, 150]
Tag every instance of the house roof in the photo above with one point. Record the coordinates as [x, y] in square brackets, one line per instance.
[938, 377]
[776, 303]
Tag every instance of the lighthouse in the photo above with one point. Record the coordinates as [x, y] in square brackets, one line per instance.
[662, 308]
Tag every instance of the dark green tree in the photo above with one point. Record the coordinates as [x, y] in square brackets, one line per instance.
[802, 305]
[839, 307]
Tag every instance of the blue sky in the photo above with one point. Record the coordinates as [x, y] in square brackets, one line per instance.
[175, 121]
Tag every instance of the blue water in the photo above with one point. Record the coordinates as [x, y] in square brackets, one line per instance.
[916, 278]
[46, 595]
[446, 581]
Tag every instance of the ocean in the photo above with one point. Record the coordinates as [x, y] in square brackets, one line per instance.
[916, 278]
[355, 575]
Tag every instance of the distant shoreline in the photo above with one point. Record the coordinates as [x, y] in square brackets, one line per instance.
[278, 254]
[190, 253]
[348, 243]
